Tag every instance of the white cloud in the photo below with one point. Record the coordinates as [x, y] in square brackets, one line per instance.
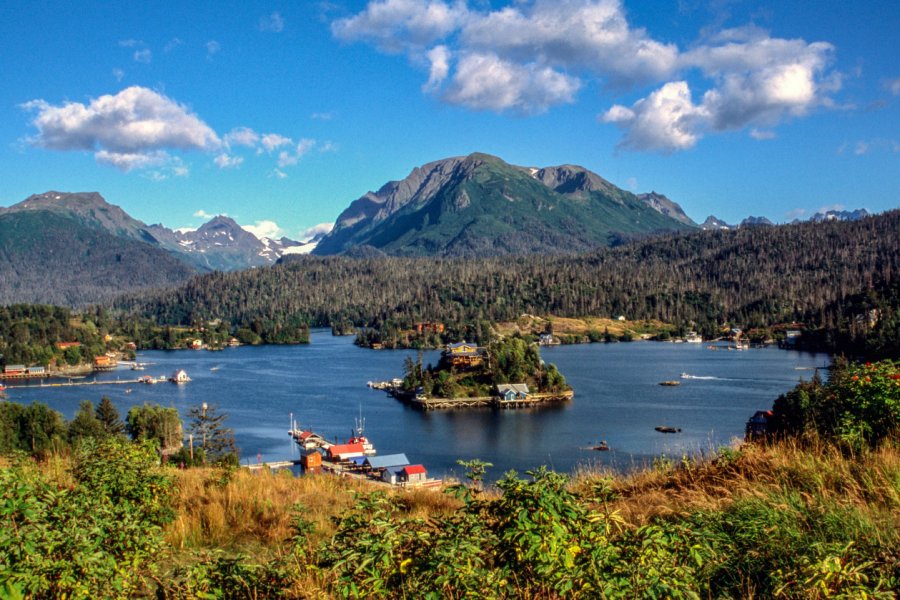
[666, 120]
[126, 161]
[487, 82]
[795, 213]
[261, 229]
[278, 174]
[241, 136]
[830, 207]
[273, 23]
[212, 48]
[311, 232]
[144, 55]
[529, 56]
[118, 74]
[203, 214]
[329, 146]
[592, 35]
[394, 25]
[321, 116]
[288, 158]
[762, 134]
[130, 43]
[860, 148]
[893, 86]
[439, 58]
[272, 141]
[227, 161]
[136, 120]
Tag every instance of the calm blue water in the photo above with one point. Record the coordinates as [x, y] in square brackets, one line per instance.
[617, 399]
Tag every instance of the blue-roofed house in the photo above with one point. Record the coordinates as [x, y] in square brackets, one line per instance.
[385, 461]
[511, 392]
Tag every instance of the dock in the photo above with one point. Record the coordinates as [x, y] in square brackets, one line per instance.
[426, 403]
[79, 383]
[281, 464]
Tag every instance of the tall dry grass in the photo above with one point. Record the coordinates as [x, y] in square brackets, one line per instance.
[819, 472]
[254, 510]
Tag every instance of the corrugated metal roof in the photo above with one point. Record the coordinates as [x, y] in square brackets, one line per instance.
[413, 469]
[345, 449]
[388, 460]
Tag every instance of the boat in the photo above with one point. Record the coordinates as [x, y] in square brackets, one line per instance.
[667, 429]
[685, 375]
[216, 368]
[670, 383]
[601, 447]
[147, 379]
[2, 391]
[693, 337]
[138, 366]
[357, 437]
[179, 377]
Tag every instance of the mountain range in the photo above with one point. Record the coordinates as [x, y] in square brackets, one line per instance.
[76, 248]
[479, 205]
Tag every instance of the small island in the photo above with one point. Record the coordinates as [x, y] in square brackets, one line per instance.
[508, 373]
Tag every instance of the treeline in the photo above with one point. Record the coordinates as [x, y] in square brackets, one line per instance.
[751, 277]
[39, 431]
[29, 334]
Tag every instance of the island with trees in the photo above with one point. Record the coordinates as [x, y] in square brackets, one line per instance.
[507, 373]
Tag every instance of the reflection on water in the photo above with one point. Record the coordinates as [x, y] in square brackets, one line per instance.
[617, 399]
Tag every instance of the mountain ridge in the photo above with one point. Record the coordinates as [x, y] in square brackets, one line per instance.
[479, 205]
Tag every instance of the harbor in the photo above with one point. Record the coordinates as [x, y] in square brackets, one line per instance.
[355, 459]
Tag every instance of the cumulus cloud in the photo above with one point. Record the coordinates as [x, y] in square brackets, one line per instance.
[261, 229]
[272, 141]
[241, 136]
[487, 82]
[316, 230]
[129, 130]
[292, 157]
[139, 129]
[666, 120]
[203, 214]
[273, 23]
[227, 161]
[395, 25]
[439, 58]
[529, 56]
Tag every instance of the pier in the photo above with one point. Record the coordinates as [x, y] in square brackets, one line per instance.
[428, 403]
[79, 383]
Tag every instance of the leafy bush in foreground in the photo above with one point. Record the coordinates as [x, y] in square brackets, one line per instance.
[96, 536]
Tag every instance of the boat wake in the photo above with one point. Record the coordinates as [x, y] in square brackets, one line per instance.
[686, 376]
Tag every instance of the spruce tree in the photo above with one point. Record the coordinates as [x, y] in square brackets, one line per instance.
[109, 418]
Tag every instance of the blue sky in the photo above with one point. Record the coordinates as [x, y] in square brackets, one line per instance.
[281, 114]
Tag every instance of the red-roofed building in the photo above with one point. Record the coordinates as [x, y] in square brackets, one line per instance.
[412, 474]
[345, 451]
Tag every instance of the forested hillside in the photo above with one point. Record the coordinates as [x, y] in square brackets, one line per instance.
[51, 257]
[830, 275]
